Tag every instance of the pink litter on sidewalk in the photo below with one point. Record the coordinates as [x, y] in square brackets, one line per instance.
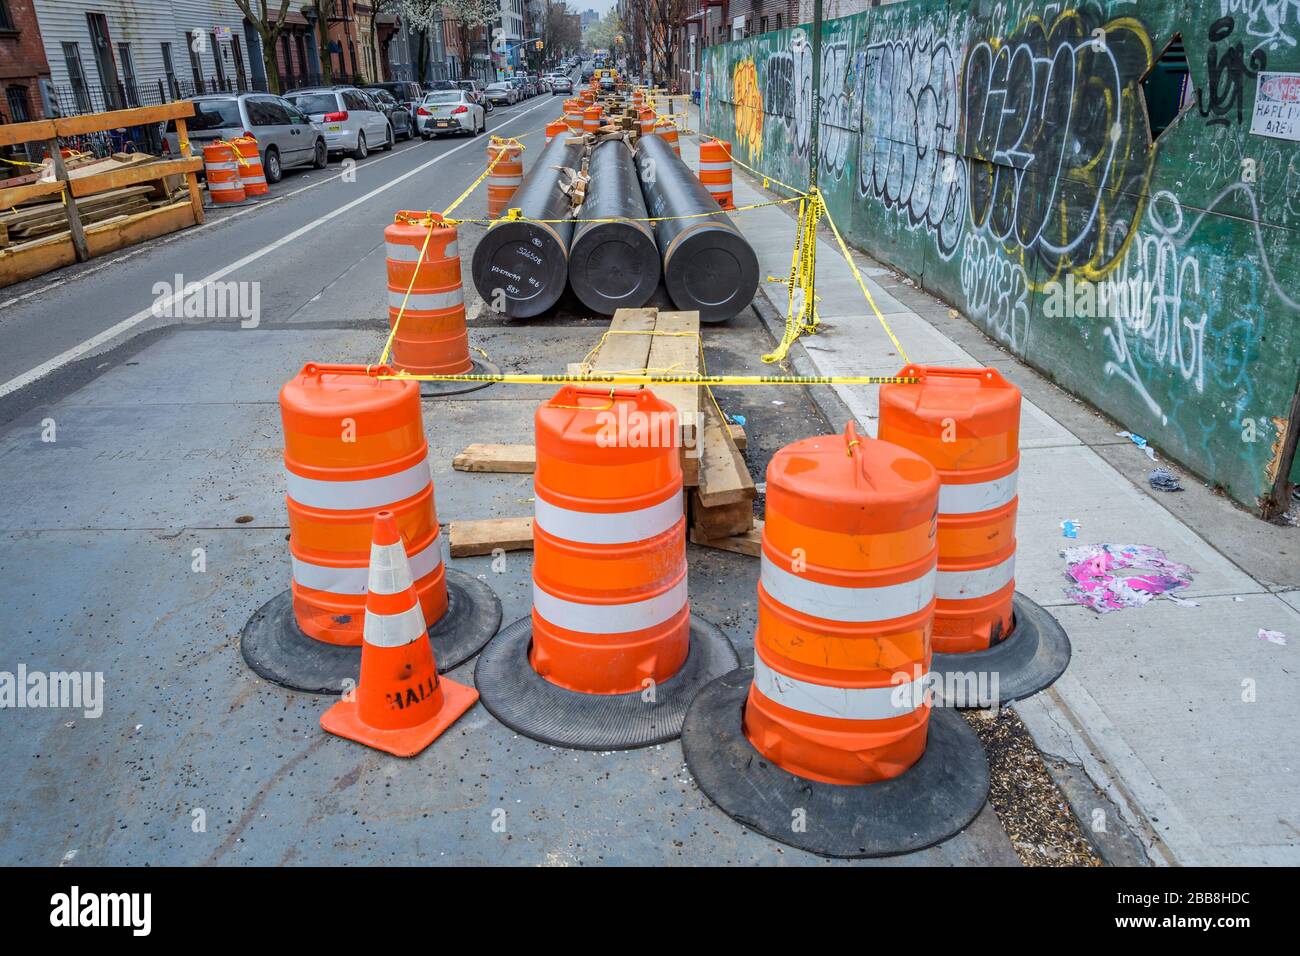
[1109, 577]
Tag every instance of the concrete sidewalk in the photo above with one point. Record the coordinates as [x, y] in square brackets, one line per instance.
[1180, 719]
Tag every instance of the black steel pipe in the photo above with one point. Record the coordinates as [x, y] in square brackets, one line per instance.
[520, 268]
[707, 264]
[613, 265]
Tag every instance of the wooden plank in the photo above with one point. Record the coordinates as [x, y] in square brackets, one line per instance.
[738, 436]
[498, 459]
[470, 538]
[724, 476]
[191, 180]
[86, 185]
[621, 352]
[69, 205]
[721, 521]
[11, 134]
[150, 224]
[115, 119]
[40, 257]
[17, 194]
[749, 544]
[678, 353]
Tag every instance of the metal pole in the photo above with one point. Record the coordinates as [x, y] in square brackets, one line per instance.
[814, 147]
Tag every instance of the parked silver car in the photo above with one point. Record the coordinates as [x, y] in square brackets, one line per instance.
[351, 121]
[475, 88]
[503, 94]
[450, 111]
[286, 137]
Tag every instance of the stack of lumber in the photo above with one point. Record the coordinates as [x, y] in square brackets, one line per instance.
[720, 492]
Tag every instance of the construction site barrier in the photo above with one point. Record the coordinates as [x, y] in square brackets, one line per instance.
[506, 172]
[966, 422]
[251, 174]
[611, 654]
[556, 128]
[715, 171]
[355, 446]
[424, 290]
[221, 170]
[591, 118]
[400, 705]
[573, 110]
[834, 716]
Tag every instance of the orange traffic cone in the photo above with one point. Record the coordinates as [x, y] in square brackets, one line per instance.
[400, 705]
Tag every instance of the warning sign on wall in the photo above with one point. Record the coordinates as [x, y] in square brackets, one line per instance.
[1277, 106]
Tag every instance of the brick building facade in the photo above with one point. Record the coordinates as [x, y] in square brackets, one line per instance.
[22, 63]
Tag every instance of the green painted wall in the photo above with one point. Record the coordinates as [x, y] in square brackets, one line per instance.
[999, 153]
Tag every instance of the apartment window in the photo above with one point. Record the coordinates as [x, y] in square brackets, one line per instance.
[778, 21]
[196, 66]
[169, 70]
[240, 74]
[217, 53]
[6, 21]
[762, 24]
[128, 74]
[16, 96]
[77, 76]
[286, 52]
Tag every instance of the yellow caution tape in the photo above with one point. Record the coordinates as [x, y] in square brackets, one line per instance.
[626, 378]
[506, 145]
[415, 274]
[516, 215]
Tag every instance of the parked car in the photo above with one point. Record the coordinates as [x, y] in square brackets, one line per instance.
[561, 84]
[450, 111]
[351, 121]
[433, 86]
[398, 115]
[503, 94]
[522, 90]
[475, 88]
[285, 136]
[407, 92]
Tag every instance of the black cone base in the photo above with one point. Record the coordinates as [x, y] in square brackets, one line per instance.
[441, 389]
[277, 649]
[526, 702]
[931, 801]
[1031, 658]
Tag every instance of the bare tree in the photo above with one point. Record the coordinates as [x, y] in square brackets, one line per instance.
[378, 7]
[468, 16]
[324, 10]
[269, 30]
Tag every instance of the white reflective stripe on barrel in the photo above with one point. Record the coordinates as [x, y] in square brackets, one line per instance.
[980, 496]
[834, 603]
[401, 252]
[610, 618]
[220, 167]
[495, 180]
[623, 527]
[715, 167]
[964, 585]
[717, 187]
[426, 301]
[394, 630]
[319, 577]
[252, 179]
[843, 703]
[361, 493]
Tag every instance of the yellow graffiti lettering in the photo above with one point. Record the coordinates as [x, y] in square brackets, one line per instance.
[749, 108]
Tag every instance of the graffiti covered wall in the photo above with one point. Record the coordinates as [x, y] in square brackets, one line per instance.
[1001, 153]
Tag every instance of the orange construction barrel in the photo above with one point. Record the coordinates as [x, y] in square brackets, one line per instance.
[573, 109]
[591, 118]
[505, 176]
[966, 422]
[835, 714]
[555, 128]
[354, 445]
[251, 174]
[715, 171]
[221, 170]
[611, 630]
[425, 293]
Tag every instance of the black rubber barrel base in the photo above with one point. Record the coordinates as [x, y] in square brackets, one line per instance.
[526, 702]
[276, 648]
[1030, 659]
[443, 389]
[932, 800]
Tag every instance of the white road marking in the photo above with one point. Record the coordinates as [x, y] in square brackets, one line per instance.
[90, 344]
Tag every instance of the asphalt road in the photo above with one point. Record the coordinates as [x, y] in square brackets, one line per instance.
[308, 235]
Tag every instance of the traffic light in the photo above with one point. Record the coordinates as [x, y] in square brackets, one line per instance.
[538, 45]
